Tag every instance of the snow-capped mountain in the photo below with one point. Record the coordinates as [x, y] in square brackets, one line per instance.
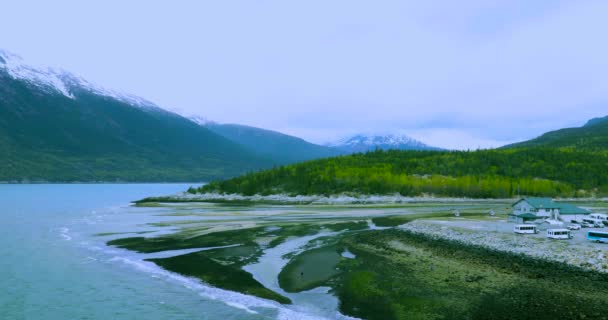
[54, 80]
[55, 126]
[363, 143]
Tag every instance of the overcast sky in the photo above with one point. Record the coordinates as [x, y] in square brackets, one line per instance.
[456, 74]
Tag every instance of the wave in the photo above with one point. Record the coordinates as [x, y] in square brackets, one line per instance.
[233, 299]
[63, 232]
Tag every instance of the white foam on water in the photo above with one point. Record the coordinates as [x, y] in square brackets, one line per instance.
[63, 232]
[240, 301]
[313, 304]
[173, 253]
[372, 226]
[347, 254]
[240, 306]
[230, 298]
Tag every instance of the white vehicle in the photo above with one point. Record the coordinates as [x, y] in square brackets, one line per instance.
[525, 229]
[558, 234]
[595, 223]
[600, 216]
[574, 227]
[554, 222]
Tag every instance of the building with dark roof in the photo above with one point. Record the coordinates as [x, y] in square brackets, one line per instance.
[540, 209]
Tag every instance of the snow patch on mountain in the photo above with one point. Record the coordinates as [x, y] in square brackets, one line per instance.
[62, 81]
[362, 142]
[41, 76]
[201, 121]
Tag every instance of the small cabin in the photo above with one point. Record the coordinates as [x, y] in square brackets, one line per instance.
[540, 209]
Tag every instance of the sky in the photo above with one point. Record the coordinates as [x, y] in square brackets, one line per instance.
[454, 74]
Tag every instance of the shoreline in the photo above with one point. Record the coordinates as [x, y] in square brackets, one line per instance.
[96, 182]
[428, 265]
[279, 199]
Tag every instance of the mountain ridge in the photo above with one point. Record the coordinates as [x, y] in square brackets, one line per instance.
[272, 144]
[593, 136]
[595, 121]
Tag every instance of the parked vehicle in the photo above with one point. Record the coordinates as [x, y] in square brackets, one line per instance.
[525, 229]
[559, 234]
[595, 223]
[585, 225]
[574, 227]
[597, 236]
[601, 217]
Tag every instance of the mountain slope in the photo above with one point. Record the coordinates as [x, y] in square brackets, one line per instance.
[593, 136]
[363, 143]
[595, 121]
[279, 147]
[56, 127]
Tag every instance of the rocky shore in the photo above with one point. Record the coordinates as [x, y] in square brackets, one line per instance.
[586, 256]
[309, 199]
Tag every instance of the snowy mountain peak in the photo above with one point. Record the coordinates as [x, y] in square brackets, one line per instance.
[362, 143]
[61, 81]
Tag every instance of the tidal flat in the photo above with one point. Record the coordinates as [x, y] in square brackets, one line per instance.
[358, 261]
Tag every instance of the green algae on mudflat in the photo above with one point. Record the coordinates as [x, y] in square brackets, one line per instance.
[395, 220]
[182, 241]
[310, 269]
[222, 267]
[226, 273]
[400, 275]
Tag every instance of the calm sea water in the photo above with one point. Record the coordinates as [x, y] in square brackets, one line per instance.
[54, 266]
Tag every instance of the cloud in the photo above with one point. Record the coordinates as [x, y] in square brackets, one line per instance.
[456, 139]
[462, 74]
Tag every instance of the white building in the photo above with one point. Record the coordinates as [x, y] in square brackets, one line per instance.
[540, 209]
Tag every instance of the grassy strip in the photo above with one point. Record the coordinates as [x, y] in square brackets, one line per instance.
[350, 225]
[396, 220]
[182, 241]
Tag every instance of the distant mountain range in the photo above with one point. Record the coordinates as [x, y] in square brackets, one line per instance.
[593, 136]
[363, 143]
[55, 126]
[284, 149]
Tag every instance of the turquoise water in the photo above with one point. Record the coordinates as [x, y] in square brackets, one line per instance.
[54, 266]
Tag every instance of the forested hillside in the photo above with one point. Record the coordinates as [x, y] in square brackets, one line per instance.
[593, 136]
[479, 174]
